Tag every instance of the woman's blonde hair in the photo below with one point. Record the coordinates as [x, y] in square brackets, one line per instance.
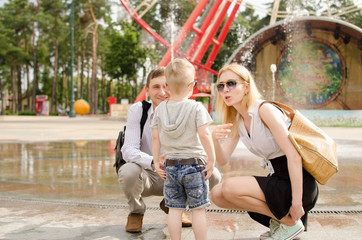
[229, 113]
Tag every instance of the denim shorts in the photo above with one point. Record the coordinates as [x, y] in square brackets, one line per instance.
[186, 185]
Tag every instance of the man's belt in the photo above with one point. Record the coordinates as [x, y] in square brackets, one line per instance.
[184, 161]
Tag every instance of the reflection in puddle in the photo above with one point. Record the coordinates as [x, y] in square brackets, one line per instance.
[84, 170]
[58, 167]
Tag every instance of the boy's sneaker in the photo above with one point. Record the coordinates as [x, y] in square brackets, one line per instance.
[285, 232]
[273, 226]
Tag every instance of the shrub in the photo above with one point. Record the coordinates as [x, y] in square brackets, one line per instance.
[27, 113]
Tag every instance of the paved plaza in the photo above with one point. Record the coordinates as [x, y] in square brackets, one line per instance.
[57, 182]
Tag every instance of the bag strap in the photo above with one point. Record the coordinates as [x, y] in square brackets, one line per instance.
[145, 106]
[290, 112]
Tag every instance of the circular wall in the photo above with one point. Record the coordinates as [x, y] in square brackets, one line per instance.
[308, 63]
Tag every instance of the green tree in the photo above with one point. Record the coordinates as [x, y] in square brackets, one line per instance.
[124, 57]
[5, 48]
[55, 29]
[102, 48]
[15, 17]
[97, 10]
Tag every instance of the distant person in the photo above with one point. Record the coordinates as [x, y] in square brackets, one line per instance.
[137, 177]
[60, 110]
[180, 129]
[282, 198]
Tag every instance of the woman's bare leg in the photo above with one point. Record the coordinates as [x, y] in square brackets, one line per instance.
[243, 193]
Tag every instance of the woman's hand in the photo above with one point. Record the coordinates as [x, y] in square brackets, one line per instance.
[221, 131]
[225, 148]
[209, 169]
[296, 211]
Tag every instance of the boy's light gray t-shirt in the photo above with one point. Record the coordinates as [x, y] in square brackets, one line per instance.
[177, 124]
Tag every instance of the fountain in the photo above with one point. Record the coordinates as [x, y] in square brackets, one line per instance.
[204, 28]
[316, 61]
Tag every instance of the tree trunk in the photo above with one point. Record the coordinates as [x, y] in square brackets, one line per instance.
[35, 59]
[15, 90]
[79, 59]
[94, 85]
[82, 75]
[35, 81]
[55, 77]
[35, 77]
[2, 99]
[88, 81]
[62, 91]
[103, 90]
[66, 86]
[20, 97]
[27, 75]
[28, 86]
[134, 95]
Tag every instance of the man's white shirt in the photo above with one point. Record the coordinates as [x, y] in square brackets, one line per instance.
[134, 150]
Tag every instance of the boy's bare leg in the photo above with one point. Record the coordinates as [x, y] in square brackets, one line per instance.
[174, 223]
[199, 224]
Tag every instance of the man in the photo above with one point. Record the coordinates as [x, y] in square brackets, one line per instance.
[137, 177]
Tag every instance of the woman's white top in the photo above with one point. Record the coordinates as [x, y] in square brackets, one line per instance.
[261, 141]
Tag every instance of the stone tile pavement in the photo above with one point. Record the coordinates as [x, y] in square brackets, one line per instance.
[28, 211]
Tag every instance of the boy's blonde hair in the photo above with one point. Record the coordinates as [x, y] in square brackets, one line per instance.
[229, 113]
[179, 74]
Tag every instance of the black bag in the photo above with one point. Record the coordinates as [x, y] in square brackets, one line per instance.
[119, 161]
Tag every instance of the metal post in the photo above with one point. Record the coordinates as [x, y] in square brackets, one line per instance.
[274, 15]
[72, 112]
[187, 27]
[273, 69]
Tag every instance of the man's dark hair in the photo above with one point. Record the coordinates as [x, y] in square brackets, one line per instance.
[155, 73]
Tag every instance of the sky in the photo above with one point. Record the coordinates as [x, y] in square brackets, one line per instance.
[258, 3]
[261, 4]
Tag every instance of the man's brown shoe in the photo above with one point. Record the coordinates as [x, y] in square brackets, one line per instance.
[186, 222]
[163, 207]
[134, 223]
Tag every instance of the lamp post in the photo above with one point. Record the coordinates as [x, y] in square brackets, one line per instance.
[72, 112]
[273, 69]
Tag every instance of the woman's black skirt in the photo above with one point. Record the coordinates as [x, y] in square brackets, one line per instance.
[278, 192]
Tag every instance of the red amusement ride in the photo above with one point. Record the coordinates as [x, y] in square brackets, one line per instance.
[205, 35]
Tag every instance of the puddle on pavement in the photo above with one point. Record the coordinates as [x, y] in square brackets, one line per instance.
[79, 169]
[84, 170]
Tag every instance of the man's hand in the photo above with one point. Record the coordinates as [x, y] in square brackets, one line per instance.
[160, 169]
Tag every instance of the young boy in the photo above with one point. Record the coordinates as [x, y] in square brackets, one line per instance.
[180, 127]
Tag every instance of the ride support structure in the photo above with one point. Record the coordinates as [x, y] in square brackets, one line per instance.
[205, 34]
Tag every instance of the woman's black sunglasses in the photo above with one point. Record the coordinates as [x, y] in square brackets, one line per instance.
[231, 84]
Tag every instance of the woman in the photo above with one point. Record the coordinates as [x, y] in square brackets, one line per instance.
[282, 198]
